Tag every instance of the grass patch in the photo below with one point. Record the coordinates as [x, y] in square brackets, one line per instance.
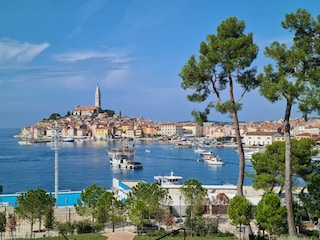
[98, 236]
[181, 238]
[87, 236]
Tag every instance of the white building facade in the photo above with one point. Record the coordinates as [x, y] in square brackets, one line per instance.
[171, 129]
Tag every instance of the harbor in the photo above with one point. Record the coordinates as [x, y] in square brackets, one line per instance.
[84, 163]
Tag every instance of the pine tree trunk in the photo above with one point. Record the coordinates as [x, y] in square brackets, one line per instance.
[238, 139]
[288, 173]
[241, 155]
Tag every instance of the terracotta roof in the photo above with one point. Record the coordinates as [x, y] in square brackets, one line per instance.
[85, 108]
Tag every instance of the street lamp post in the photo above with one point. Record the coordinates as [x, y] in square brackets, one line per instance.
[67, 218]
[180, 206]
[55, 147]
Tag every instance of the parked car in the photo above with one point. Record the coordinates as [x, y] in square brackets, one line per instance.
[149, 227]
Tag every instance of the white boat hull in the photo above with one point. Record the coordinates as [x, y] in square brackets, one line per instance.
[214, 162]
[25, 143]
[122, 161]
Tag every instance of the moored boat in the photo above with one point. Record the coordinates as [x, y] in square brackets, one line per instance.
[183, 144]
[68, 139]
[121, 160]
[129, 152]
[168, 180]
[206, 153]
[211, 158]
[199, 150]
[248, 153]
[25, 143]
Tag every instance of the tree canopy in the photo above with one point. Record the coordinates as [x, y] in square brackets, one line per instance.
[33, 205]
[88, 200]
[109, 209]
[269, 165]
[294, 77]
[54, 116]
[240, 211]
[224, 60]
[271, 215]
[194, 195]
[311, 199]
[147, 200]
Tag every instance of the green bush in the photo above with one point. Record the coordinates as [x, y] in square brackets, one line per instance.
[98, 227]
[84, 226]
[224, 234]
[64, 228]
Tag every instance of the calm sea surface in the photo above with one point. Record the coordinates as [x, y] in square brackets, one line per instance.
[82, 164]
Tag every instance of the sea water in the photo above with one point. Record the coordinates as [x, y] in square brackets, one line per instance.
[81, 164]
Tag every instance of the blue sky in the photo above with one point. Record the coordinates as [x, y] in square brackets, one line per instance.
[54, 52]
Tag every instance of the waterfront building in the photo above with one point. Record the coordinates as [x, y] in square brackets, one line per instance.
[129, 133]
[138, 133]
[258, 138]
[192, 129]
[68, 131]
[102, 132]
[208, 129]
[171, 129]
[149, 131]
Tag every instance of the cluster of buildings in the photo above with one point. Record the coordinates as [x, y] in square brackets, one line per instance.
[93, 123]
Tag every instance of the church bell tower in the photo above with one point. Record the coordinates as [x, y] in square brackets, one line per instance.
[98, 97]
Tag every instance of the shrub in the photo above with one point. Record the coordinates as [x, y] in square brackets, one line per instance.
[98, 227]
[84, 226]
[224, 234]
[65, 228]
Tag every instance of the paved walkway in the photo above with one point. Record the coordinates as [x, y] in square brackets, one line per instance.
[124, 235]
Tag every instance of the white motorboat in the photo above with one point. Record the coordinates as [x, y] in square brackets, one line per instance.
[25, 143]
[212, 159]
[248, 153]
[68, 139]
[183, 144]
[206, 153]
[199, 150]
[122, 161]
[168, 180]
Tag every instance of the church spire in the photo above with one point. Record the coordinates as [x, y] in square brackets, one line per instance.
[98, 97]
